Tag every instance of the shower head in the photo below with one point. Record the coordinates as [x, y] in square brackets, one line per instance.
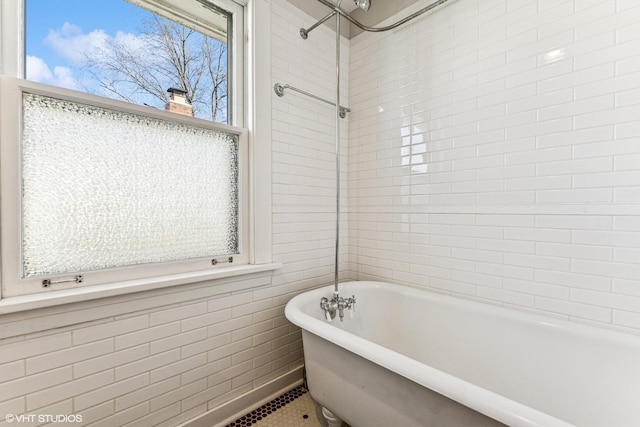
[363, 4]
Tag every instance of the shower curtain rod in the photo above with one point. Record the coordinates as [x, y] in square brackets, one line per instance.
[336, 9]
[279, 90]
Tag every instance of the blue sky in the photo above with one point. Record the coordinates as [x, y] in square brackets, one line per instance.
[58, 31]
[62, 34]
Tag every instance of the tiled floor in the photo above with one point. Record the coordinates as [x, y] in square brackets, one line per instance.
[295, 408]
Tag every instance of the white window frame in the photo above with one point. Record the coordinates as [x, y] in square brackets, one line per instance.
[11, 159]
[256, 203]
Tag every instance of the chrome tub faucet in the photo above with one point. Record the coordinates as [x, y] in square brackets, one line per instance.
[337, 304]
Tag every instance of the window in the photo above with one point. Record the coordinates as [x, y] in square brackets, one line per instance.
[102, 189]
[116, 49]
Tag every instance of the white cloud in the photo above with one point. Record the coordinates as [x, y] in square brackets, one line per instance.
[73, 47]
[73, 44]
[64, 77]
[39, 71]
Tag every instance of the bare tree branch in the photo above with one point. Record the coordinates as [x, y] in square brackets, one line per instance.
[165, 54]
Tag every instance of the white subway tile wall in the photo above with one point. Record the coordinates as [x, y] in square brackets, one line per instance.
[165, 357]
[123, 370]
[494, 154]
[304, 152]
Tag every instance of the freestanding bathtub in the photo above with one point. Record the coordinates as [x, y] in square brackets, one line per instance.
[409, 357]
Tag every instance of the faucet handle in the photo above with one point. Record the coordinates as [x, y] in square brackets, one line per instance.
[326, 307]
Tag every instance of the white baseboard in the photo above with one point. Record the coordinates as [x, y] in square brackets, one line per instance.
[230, 411]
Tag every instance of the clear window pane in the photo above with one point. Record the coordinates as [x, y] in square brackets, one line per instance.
[103, 189]
[114, 49]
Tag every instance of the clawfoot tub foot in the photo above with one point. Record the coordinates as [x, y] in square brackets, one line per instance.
[332, 420]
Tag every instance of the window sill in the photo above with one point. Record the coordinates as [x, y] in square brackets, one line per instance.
[49, 299]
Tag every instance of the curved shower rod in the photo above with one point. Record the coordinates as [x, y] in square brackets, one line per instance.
[336, 10]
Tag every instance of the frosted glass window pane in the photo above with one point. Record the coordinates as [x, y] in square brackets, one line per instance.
[104, 188]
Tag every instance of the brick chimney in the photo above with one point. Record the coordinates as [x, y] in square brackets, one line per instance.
[177, 102]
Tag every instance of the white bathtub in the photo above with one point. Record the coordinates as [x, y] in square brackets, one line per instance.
[414, 358]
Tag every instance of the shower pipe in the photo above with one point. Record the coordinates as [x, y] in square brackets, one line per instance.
[340, 113]
[336, 273]
[336, 10]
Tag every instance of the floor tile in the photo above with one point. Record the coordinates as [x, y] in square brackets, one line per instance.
[294, 408]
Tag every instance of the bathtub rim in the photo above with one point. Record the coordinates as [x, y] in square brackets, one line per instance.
[475, 397]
